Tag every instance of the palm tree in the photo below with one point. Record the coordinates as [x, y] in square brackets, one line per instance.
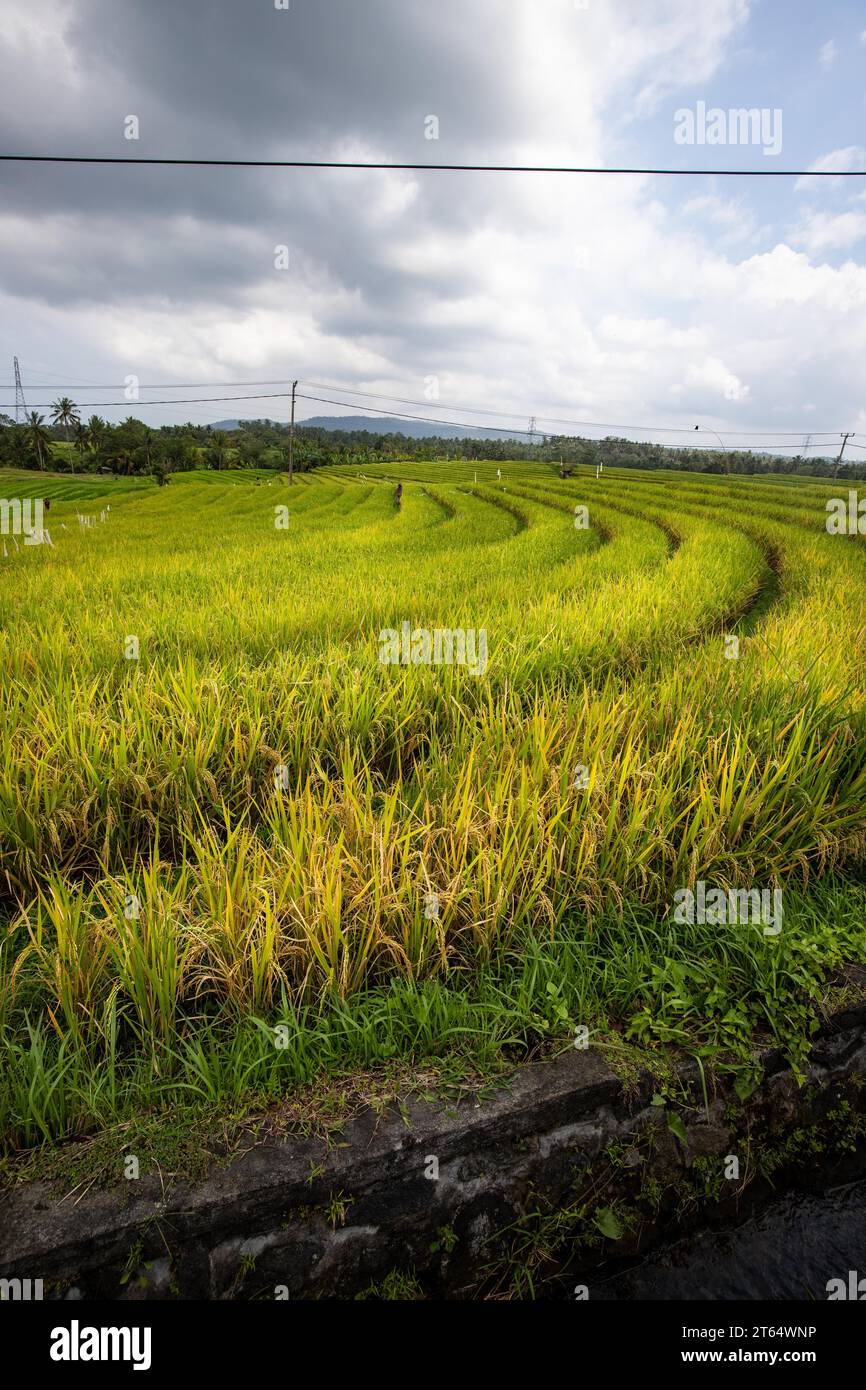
[95, 433]
[82, 441]
[219, 442]
[65, 412]
[37, 436]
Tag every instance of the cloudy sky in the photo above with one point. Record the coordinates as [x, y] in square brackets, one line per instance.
[736, 303]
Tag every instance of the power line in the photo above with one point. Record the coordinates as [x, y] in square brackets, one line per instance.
[320, 400]
[463, 409]
[184, 400]
[424, 419]
[446, 168]
[281, 395]
[560, 420]
[511, 431]
[458, 424]
[161, 385]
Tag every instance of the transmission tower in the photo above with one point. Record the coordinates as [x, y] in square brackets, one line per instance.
[20, 403]
[533, 430]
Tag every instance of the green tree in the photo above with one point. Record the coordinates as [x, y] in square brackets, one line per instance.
[219, 442]
[64, 412]
[38, 437]
[82, 442]
[95, 433]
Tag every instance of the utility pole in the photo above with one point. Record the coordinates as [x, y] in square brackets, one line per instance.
[292, 435]
[841, 452]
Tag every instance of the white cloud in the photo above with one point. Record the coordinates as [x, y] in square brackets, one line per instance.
[648, 333]
[825, 231]
[827, 55]
[604, 298]
[786, 279]
[735, 221]
[851, 157]
[719, 379]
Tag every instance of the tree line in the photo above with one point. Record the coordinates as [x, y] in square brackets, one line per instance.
[65, 443]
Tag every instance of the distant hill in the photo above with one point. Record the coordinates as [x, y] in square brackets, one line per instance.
[385, 424]
[236, 424]
[389, 424]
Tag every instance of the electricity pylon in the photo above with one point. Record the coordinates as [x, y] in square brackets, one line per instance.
[20, 403]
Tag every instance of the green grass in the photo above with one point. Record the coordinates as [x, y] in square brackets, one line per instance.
[170, 900]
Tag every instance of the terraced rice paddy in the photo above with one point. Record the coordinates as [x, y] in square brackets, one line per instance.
[254, 855]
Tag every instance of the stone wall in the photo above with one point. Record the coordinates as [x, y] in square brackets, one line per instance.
[444, 1193]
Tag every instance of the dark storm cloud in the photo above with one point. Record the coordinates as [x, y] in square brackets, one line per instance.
[243, 80]
[319, 70]
[217, 78]
[191, 252]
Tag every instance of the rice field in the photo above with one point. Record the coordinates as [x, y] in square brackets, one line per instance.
[297, 781]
